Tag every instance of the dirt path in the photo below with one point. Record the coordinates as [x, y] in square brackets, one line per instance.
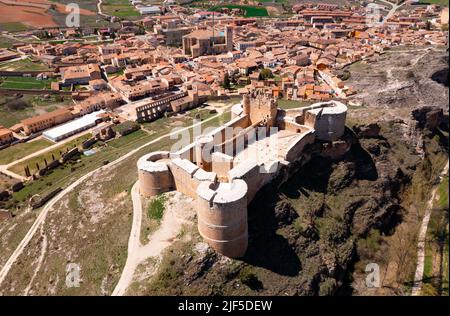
[163, 237]
[133, 243]
[42, 215]
[99, 8]
[5, 168]
[40, 260]
[49, 148]
[418, 277]
[394, 8]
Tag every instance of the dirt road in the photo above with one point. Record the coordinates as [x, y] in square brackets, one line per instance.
[169, 228]
[133, 243]
[418, 277]
[394, 8]
[41, 217]
[5, 168]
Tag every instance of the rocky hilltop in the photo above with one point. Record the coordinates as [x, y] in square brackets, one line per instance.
[305, 226]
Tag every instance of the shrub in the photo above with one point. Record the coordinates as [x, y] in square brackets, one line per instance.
[369, 246]
[265, 74]
[17, 104]
[126, 128]
[156, 208]
[345, 75]
[327, 287]
[429, 290]
[249, 278]
[333, 230]
[300, 226]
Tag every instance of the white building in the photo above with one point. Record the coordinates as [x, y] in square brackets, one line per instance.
[148, 10]
[74, 127]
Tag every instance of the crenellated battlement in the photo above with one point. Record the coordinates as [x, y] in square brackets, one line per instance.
[224, 169]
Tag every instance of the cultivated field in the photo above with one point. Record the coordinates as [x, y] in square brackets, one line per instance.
[250, 11]
[24, 83]
[18, 151]
[32, 13]
[23, 65]
[119, 8]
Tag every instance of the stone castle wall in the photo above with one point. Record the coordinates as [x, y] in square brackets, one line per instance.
[297, 148]
[223, 189]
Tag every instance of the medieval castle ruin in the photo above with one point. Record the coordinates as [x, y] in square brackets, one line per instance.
[224, 169]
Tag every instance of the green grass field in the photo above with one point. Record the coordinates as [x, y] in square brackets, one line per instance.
[6, 42]
[134, 136]
[13, 27]
[250, 11]
[292, 104]
[31, 163]
[119, 8]
[21, 150]
[443, 3]
[443, 193]
[23, 65]
[24, 83]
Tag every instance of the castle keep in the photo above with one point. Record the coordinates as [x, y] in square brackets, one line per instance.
[224, 169]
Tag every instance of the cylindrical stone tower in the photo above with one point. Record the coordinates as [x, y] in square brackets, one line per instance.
[222, 216]
[203, 148]
[328, 120]
[246, 104]
[154, 175]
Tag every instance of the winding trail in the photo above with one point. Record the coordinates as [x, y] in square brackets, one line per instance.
[42, 215]
[418, 277]
[159, 240]
[99, 9]
[394, 7]
[133, 243]
[39, 262]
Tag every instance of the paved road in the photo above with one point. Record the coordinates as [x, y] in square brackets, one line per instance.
[41, 217]
[418, 277]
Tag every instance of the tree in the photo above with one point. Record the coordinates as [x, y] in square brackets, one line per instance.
[17, 105]
[265, 74]
[402, 249]
[226, 81]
